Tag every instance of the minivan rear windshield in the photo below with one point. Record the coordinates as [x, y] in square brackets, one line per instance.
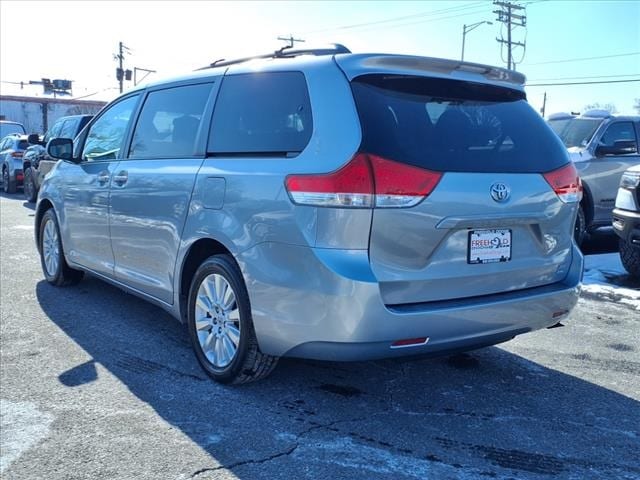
[453, 125]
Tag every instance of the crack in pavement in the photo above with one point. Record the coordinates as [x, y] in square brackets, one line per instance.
[287, 452]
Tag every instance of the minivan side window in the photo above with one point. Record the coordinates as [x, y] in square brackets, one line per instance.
[169, 122]
[261, 114]
[619, 131]
[104, 138]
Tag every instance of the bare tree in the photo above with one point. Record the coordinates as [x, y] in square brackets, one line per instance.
[609, 107]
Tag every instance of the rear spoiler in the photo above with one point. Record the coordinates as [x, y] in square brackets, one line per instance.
[359, 64]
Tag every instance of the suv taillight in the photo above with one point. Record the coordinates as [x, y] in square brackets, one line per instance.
[366, 181]
[16, 154]
[566, 182]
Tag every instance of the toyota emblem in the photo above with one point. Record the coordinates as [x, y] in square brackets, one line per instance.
[500, 192]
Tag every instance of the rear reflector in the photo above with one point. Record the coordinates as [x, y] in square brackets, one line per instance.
[366, 181]
[16, 154]
[410, 342]
[566, 182]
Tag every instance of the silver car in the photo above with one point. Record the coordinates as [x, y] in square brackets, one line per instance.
[324, 205]
[12, 148]
[602, 146]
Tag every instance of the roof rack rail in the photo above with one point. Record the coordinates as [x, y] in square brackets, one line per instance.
[284, 52]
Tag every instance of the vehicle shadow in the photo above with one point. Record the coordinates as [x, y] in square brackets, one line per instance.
[482, 414]
[13, 196]
[601, 241]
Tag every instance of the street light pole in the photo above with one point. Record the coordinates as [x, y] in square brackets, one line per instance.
[466, 29]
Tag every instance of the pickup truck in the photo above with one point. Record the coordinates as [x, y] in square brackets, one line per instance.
[602, 146]
[35, 161]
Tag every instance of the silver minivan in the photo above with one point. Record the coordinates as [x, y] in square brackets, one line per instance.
[324, 205]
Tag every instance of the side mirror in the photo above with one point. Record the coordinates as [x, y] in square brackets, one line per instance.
[61, 148]
[619, 147]
[33, 139]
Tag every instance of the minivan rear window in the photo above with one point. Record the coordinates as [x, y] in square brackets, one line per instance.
[452, 125]
[265, 113]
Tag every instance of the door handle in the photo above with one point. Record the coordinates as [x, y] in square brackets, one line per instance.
[103, 177]
[121, 178]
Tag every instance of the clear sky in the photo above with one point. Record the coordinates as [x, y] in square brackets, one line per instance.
[77, 40]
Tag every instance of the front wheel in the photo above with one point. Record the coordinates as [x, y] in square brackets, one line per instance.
[630, 257]
[30, 192]
[55, 268]
[221, 326]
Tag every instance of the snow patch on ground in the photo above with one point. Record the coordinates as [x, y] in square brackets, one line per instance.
[23, 426]
[605, 276]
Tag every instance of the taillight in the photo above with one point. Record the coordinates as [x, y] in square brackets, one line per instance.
[366, 181]
[16, 154]
[400, 185]
[566, 182]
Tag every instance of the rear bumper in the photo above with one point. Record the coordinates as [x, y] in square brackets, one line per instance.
[626, 224]
[325, 304]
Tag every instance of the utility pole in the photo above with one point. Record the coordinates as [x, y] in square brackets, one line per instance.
[121, 74]
[544, 104]
[291, 40]
[507, 16]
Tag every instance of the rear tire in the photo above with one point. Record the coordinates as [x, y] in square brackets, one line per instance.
[30, 192]
[220, 324]
[54, 266]
[580, 227]
[630, 257]
[7, 184]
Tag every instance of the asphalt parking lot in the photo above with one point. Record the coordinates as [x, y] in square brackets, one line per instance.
[97, 384]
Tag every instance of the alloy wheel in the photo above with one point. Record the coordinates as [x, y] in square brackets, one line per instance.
[51, 248]
[217, 320]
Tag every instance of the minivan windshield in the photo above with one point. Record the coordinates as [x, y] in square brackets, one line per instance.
[452, 125]
[575, 132]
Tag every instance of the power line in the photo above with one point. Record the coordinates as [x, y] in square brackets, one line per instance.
[580, 83]
[94, 93]
[404, 17]
[584, 58]
[395, 19]
[587, 77]
[475, 12]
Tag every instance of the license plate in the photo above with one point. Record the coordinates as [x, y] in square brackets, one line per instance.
[489, 246]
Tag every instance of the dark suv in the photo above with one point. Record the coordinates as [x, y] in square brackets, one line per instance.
[626, 220]
[35, 161]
